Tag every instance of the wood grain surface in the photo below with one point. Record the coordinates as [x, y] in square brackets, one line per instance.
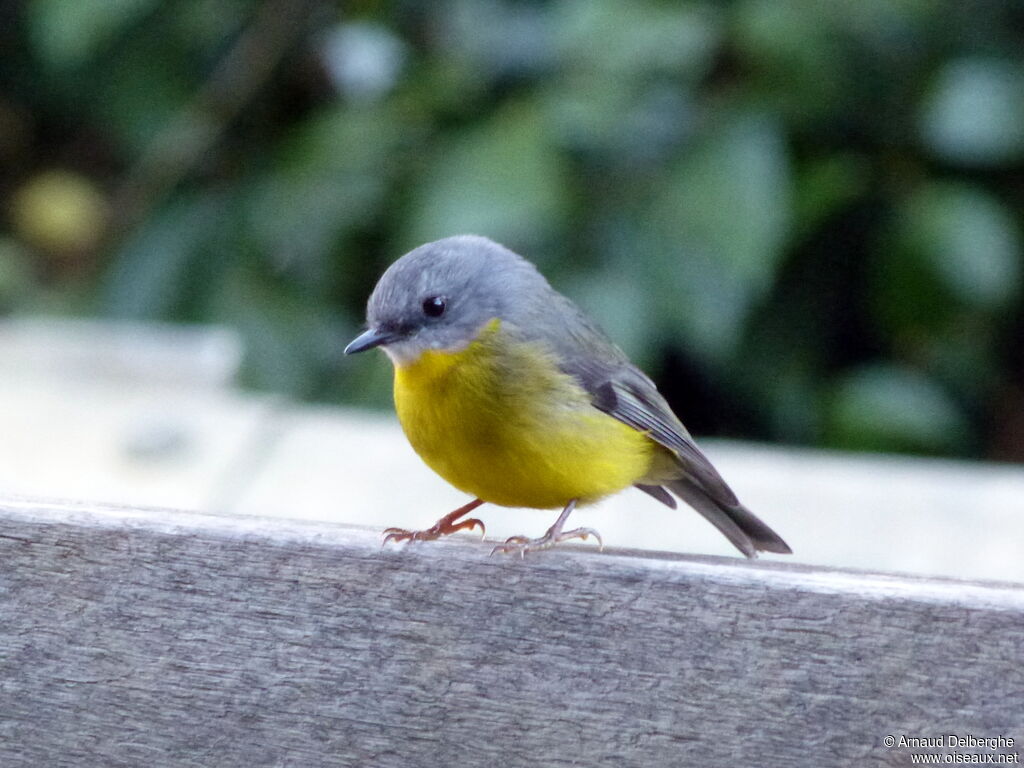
[134, 637]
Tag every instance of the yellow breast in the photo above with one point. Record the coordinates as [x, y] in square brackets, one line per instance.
[498, 420]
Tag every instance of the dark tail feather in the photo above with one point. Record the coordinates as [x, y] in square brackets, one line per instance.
[739, 525]
[659, 493]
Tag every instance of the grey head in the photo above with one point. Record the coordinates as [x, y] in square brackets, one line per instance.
[442, 294]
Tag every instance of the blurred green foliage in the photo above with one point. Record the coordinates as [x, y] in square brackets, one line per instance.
[804, 218]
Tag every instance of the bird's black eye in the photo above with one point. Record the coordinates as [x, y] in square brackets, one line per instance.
[434, 306]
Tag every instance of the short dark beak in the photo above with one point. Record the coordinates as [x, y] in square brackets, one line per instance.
[370, 339]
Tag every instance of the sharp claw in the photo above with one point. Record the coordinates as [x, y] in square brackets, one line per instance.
[445, 526]
[554, 536]
[518, 544]
[508, 545]
[523, 544]
[581, 533]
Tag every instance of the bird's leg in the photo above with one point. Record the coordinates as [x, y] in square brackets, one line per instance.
[442, 527]
[555, 534]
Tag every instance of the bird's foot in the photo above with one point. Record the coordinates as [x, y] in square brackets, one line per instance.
[523, 544]
[447, 525]
[435, 531]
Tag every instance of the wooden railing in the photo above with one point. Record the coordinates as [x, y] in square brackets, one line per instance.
[149, 637]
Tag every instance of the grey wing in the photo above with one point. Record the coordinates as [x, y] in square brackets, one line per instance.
[632, 399]
[622, 390]
[635, 401]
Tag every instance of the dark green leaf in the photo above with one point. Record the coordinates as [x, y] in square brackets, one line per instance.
[721, 223]
[975, 112]
[68, 34]
[884, 408]
[502, 179]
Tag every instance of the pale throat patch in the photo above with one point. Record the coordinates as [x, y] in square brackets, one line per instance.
[408, 351]
[403, 352]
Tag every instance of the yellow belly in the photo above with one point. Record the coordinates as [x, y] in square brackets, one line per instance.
[499, 421]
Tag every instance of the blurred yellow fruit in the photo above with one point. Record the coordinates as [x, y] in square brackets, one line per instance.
[59, 212]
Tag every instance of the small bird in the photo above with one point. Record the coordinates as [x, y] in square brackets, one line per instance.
[509, 392]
